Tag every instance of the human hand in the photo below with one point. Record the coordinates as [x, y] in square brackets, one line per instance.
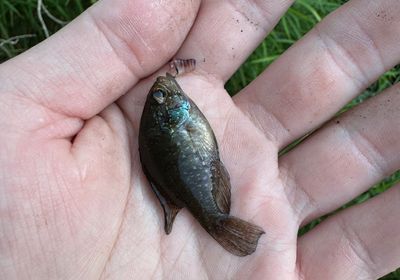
[75, 203]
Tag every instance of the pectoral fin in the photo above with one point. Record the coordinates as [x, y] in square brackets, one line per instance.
[221, 186]
[170, 209]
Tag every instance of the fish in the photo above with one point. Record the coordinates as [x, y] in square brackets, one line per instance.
[180, 158]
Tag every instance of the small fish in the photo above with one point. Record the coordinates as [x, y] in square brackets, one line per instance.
[180, 158]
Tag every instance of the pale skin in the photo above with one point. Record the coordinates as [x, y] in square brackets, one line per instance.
[74, 203]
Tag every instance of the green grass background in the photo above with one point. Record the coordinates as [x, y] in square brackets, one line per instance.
[20, 18]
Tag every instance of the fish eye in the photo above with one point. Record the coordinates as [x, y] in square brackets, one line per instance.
[159, 96]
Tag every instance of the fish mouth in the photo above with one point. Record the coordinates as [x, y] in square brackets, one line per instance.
[165, 83]
[168, 78]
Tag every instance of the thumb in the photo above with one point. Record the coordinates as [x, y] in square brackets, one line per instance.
[96, 58]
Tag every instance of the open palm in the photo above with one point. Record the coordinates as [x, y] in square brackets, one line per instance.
[74, 203]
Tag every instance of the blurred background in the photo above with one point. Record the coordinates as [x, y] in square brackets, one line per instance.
[24, 23]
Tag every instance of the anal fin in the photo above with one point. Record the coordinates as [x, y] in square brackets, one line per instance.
[221, 186]
[170, 209]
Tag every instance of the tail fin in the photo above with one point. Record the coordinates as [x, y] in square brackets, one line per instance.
[236, 236]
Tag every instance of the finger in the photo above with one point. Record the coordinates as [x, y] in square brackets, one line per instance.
[99, 56]
[360, 243]
[346, 157]
[226, 32]
[309, 83]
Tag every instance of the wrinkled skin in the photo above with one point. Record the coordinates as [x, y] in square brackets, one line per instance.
[74, 203]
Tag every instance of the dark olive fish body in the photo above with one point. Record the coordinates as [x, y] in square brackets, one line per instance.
[179, 156]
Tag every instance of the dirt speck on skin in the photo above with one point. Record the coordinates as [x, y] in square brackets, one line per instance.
[384, 16]
[248, 19]
[241, 30]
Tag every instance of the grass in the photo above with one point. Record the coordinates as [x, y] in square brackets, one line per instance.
[21, 28]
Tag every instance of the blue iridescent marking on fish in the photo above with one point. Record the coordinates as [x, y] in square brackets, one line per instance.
[179, 114]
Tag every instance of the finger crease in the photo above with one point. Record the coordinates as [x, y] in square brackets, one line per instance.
[255, 117]
[357, 246]
[368, 151]
[300, 200]
[373, 44]
[324, 40]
